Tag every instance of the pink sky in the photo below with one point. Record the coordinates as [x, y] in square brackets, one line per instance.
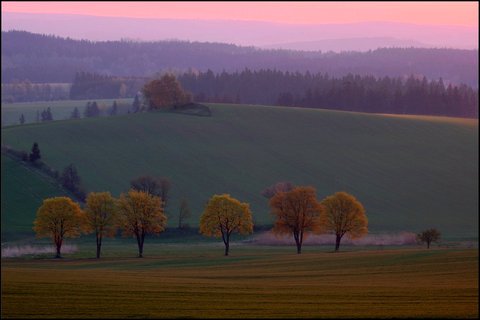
[435, 13]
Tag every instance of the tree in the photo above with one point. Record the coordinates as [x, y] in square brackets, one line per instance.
[428, 236]
[224, 215]
[75, 114]
[22, 119]
[101, 216]
[165, 92]
[283, 186]
[47, 115]
[296, 212]
[140, 214]
[91, 110]
[70, 178]
[58, 218]
[114, 110]
[136, 104]
[35, 154]
[157, 186]
[344, 215]
[184, 213]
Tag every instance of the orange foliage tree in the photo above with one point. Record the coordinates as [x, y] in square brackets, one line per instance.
[140, 214]
[344, 215]
[296, 212]
[224, 215]
[59, 218]
[165, 92]
[101, 216]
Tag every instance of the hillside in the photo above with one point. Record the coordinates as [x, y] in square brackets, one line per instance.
[409, 172]
[23, 191]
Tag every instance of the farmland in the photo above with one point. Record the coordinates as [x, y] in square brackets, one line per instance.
[255, 281]
[61, 110]
[409, 172]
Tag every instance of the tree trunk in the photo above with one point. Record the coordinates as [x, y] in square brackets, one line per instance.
[298, 242]
[428, 244]
[99, 245]
[58, 245]
[227, 247]
[299, 247]
[337, 242]
[140, 239]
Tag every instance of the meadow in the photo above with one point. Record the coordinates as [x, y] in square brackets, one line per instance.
[410, 173]
[61, 109]
[197, 281]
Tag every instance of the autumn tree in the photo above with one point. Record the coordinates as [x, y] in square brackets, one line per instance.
[101, 216]
[344, 215]
[296, 212]
[224, 215]
[140, 214]
[58, 218]
[283, 186]
[428, 236]
[165, 92]
[183, 214]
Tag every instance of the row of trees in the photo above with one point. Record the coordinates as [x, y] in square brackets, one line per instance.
[139, 213]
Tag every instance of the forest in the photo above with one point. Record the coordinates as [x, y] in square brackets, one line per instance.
[56, 60]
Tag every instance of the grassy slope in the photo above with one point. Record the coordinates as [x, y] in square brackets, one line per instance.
[23, 191]
[253, 282]
[410, 173]
[60, 109]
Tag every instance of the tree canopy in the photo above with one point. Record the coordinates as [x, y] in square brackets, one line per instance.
[296, 212]
[140, 214]
[165, 92]
[428, 236]
[59, 218]
[224, 215]
[344, 215]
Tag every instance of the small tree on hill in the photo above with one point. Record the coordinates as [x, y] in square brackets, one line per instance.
[22, 119]
[184, 213]
[344, 215]
[428, 236]
[136, 104]
[225, 215]
[296, 212]
[283, 186]
[114, 110]
[75, 114]
[35, 154]
[140, 214]
[165, 92]
[58, 218]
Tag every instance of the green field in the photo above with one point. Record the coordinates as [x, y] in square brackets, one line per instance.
[410, 173]
[254, 282]
[23, 191]
[60, 109]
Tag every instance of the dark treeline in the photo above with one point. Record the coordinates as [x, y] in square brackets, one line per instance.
[412, 95]
[23, 91]
[50, 59]
[94, 86]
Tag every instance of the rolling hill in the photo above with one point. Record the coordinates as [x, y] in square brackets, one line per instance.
[409, 172]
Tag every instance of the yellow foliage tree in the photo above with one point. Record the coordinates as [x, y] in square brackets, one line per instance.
[140, 214]
[224, 215]
[59, 218]
[165, 92]
[344, 215]
[296, 212]
[101, 216]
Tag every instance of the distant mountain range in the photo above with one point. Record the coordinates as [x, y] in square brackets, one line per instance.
[336, 37]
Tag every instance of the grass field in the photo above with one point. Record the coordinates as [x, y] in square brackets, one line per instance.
[60, 109]
[410, 173]
[254, 282]
[25, 190]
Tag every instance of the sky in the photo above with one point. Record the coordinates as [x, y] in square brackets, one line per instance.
[433, 13]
